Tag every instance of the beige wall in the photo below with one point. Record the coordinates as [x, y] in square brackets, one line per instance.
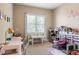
[7, 10]
[61, 15]
[20, 10]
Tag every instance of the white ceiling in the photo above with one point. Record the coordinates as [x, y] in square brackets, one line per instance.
[43, 5]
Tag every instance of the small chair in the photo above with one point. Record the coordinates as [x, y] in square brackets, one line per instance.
[25, 44]
[30, 39]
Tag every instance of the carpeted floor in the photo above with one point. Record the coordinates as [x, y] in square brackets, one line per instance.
[38, 49]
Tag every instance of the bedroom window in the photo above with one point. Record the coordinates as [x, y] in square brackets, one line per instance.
[35, 24]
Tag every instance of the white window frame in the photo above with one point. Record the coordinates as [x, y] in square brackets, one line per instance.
[36, 15]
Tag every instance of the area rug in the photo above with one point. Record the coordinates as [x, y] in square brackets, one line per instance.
[54, 51]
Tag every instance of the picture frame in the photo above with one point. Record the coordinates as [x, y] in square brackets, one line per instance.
[2, 16]
[8, 19]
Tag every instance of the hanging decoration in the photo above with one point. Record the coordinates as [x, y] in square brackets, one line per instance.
[74, 13]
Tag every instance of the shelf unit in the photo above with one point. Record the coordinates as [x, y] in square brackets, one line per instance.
[51, 35]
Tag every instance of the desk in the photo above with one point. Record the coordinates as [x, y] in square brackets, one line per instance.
[41, 37]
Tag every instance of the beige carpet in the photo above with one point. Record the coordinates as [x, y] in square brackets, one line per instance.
[38, 49]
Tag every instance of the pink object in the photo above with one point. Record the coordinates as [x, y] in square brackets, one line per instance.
[53, 51]
[62, 43]
[49, 50]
